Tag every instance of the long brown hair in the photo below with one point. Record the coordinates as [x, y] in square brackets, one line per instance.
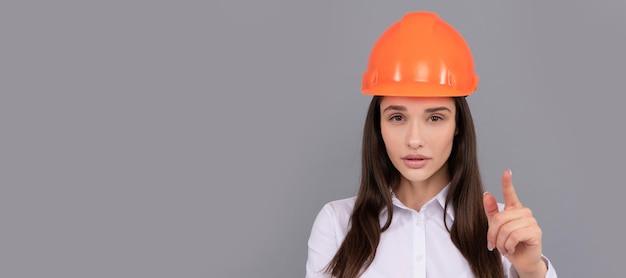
[379, 177]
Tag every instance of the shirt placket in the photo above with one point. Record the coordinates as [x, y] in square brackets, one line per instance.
[419, 246]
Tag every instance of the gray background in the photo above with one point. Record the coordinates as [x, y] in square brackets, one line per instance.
[201, 138]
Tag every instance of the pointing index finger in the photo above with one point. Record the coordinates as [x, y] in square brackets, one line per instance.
[508, 191]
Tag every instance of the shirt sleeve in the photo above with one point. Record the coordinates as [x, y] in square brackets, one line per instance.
[512, 273]
[322, 244]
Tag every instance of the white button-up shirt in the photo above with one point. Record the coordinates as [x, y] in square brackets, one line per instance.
[416, 244]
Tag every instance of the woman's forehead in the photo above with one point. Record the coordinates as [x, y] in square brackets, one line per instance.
[417, 101]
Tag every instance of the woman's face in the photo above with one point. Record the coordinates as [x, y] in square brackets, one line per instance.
[418, 133]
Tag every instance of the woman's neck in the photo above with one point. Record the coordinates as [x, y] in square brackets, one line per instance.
[414, 194]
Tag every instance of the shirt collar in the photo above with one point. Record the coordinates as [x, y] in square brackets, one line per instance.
[439, 199]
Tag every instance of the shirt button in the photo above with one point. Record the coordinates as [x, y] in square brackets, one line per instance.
[418, 258]
[418, 222]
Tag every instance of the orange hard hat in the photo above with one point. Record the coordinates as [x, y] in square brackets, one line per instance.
[423, 56]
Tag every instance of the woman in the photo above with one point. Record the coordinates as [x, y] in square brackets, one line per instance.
[420, 210]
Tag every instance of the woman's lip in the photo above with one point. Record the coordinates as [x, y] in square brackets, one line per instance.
[415, 163]
[415, 156]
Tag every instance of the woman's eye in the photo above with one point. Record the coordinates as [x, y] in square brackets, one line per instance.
[396, 118]
[435, 118]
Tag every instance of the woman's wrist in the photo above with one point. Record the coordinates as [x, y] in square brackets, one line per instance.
[540, 270]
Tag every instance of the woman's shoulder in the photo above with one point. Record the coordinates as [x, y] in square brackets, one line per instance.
[341, 206]
[333, 219]
[338, 211]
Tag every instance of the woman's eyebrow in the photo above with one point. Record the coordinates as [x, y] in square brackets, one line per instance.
[395, 107]
[435, 109]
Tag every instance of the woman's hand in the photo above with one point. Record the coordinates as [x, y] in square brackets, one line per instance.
[514, 231]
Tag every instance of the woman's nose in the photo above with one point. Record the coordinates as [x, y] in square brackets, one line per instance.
[414, 138]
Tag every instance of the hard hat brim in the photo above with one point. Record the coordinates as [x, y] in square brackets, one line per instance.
[414, 89]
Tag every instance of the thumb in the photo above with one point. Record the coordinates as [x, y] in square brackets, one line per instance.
[490, 204]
